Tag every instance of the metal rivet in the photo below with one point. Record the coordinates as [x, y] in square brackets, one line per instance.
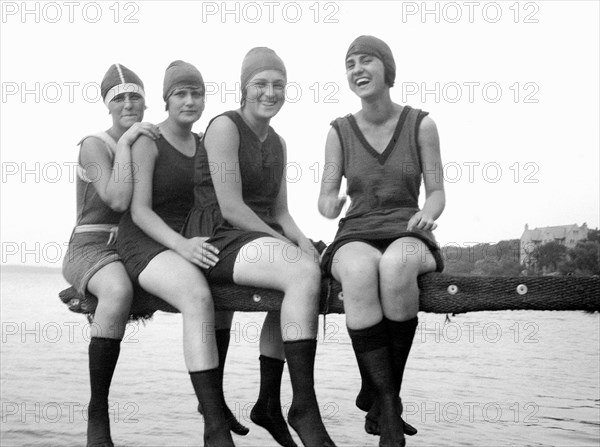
[521, 289]
[341, 296]
[256, 297]
[452, 289]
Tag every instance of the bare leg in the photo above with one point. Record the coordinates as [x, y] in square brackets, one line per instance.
[400, 265]
[271, 341]
[282, 266]
[355, 266]
[181, 284]
[274, 264]
[112, 287]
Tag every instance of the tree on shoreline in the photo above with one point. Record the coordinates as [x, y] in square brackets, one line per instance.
[547, 257]
[583, 260]
[502, 259]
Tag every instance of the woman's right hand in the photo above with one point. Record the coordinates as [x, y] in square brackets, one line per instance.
[132, 134]
[198, 252]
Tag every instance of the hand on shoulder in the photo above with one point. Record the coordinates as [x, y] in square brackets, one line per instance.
[138, 129]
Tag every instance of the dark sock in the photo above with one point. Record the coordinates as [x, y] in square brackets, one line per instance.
[371, 346]
[222, 337]
[267, 410]
[304, 415]
[103, 356]
[209, 392]
[401, 335]
[372, 422]
[367, 394]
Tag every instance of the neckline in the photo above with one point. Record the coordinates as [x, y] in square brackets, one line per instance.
[241, 118]
[383, 156]
[188, 157]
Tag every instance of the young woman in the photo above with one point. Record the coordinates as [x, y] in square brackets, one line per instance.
[91, 262]
[162, 261]
[241, 201]
[384, 242]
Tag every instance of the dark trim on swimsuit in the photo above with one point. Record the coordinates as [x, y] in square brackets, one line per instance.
[383, 156]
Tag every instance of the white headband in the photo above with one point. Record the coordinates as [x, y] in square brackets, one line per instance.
[127, 87]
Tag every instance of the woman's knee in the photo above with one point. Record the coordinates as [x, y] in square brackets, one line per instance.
[196, 301]
[398, 273]
[310, 274]
[355, 269]
[311, 269]
[116, 294]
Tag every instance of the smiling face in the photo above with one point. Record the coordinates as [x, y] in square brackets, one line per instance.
[126, 109]
[265, 94]
[366, 74]
[186, 104]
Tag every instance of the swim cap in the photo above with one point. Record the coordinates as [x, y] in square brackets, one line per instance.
[376, 47]
[120, 79]
[181, 74]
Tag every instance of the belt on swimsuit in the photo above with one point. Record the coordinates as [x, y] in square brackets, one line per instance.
[99, 228]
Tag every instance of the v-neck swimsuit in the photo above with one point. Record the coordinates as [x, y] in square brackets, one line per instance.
[383, 187]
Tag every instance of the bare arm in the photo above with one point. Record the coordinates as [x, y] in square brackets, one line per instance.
[435, 197]
[113, 181]
[222, 142]
[330, 202]
[144, 155]
[285, 219]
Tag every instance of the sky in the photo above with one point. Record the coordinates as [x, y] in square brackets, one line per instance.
[512, 86]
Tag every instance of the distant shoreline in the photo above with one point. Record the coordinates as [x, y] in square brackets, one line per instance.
[17, 268]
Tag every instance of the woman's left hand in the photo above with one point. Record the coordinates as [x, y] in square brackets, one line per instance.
[307, 247]
[198, 251]
[421, 221]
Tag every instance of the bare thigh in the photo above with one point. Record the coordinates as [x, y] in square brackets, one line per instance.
[111, 282]
[175, 280]
[272, 263]
[355, 266]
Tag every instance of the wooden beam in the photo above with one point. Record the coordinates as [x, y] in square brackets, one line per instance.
[440, 293]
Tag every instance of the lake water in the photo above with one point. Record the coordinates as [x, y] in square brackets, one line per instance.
[519, 378]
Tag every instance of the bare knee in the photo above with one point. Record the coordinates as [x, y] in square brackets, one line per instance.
[397, 275]
[196, 302]
[357, 273]
[399, 287]
[306, 276]
[116, 296]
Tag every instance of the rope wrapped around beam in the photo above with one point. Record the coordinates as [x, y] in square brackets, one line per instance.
[440, 293]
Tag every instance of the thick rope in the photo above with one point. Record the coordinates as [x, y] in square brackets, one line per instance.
[440, 293]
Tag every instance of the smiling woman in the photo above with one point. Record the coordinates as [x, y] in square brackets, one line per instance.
[260, 243]
[385, 241]
[92, 262]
